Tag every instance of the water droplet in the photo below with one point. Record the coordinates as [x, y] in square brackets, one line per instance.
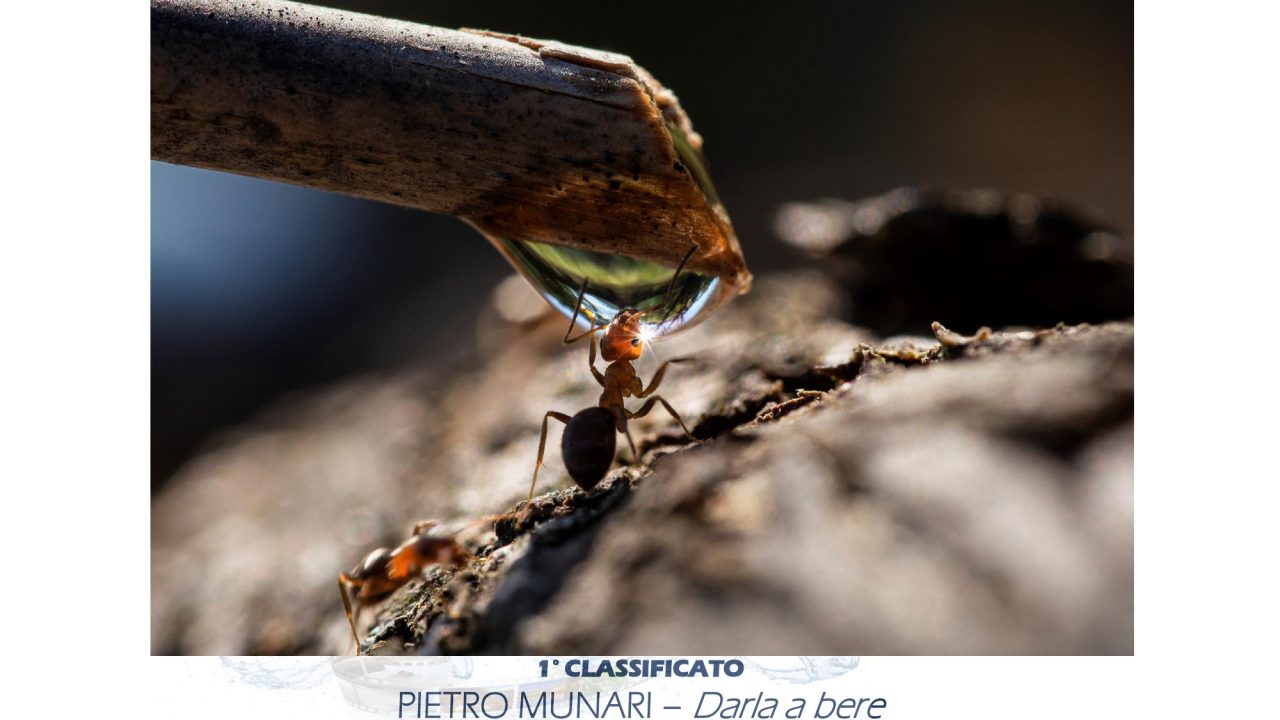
[613, 282]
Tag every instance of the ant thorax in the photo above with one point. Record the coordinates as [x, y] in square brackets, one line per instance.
[620, 381]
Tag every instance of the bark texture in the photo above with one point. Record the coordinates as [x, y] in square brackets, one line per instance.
[860, 495]
[935, 492]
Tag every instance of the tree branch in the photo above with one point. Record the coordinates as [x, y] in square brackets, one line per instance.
[524, 138]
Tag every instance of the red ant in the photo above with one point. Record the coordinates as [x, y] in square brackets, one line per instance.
[587, 446]
[588, 443]
[384, 571]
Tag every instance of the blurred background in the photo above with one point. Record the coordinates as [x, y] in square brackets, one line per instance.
[260, 290]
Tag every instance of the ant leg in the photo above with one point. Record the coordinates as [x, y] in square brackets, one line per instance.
[657, 377]
[571, 340]
[542, 446]
[634, 454]
[591, 363]
[424, 525]
[644, 410]
[345, 584]
[475, 523]
[620, 416]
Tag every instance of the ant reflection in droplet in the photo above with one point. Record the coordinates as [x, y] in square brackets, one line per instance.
[588, 443]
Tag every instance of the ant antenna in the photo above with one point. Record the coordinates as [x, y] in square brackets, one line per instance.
[578, 305]
[573, 321]
[666, 299]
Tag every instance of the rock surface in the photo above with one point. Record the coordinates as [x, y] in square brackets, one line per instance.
[859, 495]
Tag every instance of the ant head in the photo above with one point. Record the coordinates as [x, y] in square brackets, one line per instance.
[624, 338]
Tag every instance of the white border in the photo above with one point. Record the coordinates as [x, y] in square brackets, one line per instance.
[74, 292]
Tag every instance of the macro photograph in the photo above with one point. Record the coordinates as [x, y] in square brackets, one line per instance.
[563, 328]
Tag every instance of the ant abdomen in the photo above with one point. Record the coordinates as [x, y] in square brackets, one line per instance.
[588, 444]
[373, 564]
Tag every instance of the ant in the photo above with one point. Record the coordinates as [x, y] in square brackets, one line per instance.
[587, 446]
[588, 443]
[384, 571]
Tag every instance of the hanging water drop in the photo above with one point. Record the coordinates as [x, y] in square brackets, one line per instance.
[616, 281]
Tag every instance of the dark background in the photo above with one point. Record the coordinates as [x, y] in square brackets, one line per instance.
[260, 289]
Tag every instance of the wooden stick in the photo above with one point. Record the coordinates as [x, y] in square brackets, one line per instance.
[526, 139]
